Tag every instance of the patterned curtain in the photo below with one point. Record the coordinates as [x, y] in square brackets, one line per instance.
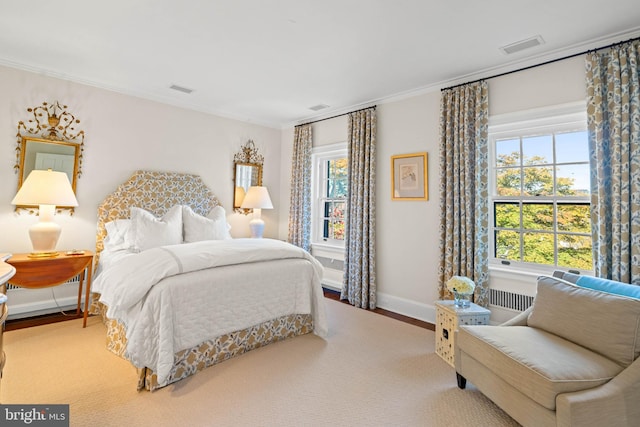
[359, 278]
[464, 202]
[300, 208]
[613, 109]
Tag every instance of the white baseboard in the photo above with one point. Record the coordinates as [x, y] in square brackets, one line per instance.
[416, 310]
[405, 307]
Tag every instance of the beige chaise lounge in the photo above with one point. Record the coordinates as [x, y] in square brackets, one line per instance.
[569, 360]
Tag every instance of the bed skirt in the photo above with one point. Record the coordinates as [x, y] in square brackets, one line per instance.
[192, 360]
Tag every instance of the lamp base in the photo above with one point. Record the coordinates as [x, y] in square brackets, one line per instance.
[44, 234]
[256, 225]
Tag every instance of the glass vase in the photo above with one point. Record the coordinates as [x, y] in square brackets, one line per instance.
[461, 300]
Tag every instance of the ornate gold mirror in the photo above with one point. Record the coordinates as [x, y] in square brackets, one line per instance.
[247, 172]
[49, 139]
[43, 154]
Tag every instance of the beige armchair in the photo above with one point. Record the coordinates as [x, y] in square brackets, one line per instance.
[569, 360]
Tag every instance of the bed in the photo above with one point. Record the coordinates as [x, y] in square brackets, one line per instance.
[173, 308]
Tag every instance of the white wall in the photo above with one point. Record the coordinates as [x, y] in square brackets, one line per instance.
[408, 232]
[124, 134]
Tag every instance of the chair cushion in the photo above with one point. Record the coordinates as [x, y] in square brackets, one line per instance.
[537, 363]
[605, 323]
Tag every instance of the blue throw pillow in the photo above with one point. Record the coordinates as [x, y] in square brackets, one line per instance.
[609, 286]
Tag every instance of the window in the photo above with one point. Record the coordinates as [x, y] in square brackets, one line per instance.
[329, 201]
[540, 193]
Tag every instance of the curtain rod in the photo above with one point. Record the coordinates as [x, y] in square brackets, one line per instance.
[543, 63]
[338, 115]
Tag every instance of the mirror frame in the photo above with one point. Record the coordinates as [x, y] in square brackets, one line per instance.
[49, 123]
[236, 203]
[248, 156]
[23, 155]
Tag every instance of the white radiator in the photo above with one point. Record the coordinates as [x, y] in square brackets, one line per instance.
[23, 302]
[505, 304]
[509, 300]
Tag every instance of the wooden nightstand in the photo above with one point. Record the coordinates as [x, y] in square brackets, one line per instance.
[448, 319]
[35, 273]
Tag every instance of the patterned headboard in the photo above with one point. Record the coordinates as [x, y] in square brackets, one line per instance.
[156, 192]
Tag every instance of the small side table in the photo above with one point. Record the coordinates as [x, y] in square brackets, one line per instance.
[35, 273]
[448, 319]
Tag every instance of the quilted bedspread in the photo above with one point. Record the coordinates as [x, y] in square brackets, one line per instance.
[175, 297]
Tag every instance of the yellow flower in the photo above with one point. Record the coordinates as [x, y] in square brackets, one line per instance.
[461, 285]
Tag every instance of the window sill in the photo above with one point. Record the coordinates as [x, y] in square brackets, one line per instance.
[328, 248]
[499, 270]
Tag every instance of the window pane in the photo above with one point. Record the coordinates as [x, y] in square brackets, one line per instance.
[537, 216]
[537, 150]
[338, 188]
[338, 168]
[574, 218]
[508, 245]
[575, 251]
[337, 177]
[539, 248]
[508, 182]
[538, 181]
[338, 209]
[507, 215]
[338, 230]
[573, 180]
[508, 152]
[572, 147]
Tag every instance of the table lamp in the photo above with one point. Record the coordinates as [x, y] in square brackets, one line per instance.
[47, 189]
[257, 198]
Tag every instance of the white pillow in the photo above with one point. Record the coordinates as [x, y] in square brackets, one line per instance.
[148, 232]
[117, 235]
[198, 227]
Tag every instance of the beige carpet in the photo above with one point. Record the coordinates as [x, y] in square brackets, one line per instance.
[371, 371]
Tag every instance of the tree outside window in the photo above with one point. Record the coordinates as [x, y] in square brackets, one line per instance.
[334, 199]
[541, 200]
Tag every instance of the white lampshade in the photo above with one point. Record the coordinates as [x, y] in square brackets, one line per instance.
[47, 189]
[257, 198]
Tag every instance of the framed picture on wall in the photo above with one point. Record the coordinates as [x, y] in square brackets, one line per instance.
[409, 177]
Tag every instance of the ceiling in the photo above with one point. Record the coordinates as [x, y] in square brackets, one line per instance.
[268, 62]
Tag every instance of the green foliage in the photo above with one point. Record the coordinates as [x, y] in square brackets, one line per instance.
[337, 189]
[529, 236]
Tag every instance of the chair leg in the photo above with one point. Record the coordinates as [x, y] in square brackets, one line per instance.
[462, 381]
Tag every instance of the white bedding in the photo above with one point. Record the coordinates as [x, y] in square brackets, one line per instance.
[170, 298]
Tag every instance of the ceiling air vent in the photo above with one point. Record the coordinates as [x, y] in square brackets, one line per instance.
[319, 107]
[522, 45]
[181, 89]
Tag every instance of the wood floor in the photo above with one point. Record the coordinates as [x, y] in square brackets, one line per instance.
[44, 319]
[14, 324]
[334, 295]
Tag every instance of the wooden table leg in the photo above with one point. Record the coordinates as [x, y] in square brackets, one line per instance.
[80, 294]
[87, 302]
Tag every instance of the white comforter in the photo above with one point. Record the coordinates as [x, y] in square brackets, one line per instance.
[168, 299]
